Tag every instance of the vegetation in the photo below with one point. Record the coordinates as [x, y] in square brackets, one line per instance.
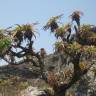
[78, 49]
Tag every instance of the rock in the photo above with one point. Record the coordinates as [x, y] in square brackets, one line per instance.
[32, 91]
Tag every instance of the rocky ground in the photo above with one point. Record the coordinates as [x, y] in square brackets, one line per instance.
[25, 80]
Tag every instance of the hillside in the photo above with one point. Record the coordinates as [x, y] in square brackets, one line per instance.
[14, 79]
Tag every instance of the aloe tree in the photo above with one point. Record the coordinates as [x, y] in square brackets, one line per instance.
[81, 52]
[75, 16]
[62, 31]
[86, 35]
[59, 31]
[52, 23]
[24, 32]
[5, 41]
[13, 38]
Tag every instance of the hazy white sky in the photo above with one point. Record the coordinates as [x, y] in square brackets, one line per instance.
[28, 11]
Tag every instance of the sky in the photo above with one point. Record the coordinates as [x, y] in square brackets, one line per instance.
[29, 11]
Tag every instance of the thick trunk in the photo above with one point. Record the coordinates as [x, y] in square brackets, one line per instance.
[61, 90]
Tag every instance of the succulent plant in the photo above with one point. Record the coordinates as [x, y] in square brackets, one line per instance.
[52, 23]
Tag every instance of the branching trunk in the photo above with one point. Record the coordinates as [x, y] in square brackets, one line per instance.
[78, 73]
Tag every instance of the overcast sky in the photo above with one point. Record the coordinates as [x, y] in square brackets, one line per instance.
[28, 11]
